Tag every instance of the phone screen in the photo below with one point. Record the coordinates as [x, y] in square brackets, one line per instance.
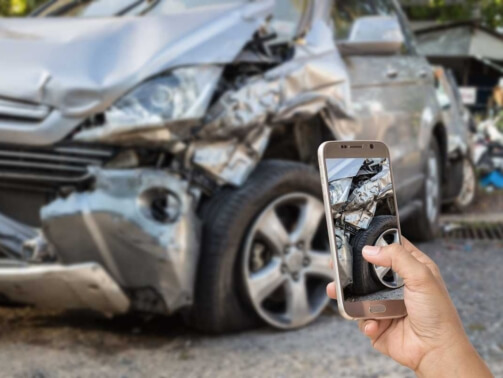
[363, 208]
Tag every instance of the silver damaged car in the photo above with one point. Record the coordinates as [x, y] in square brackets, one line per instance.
[159, 156]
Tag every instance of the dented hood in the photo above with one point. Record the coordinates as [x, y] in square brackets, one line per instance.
[82, 66]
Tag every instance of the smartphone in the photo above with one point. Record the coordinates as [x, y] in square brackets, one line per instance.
[361, 209]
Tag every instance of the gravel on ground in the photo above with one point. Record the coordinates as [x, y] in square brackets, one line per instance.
[35, 344]
[487, 202]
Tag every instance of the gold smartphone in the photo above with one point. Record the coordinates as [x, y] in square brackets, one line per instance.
[361, 209]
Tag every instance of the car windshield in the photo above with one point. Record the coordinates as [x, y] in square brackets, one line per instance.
[107, 8]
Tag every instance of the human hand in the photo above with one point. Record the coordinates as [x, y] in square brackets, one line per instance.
[430, 340]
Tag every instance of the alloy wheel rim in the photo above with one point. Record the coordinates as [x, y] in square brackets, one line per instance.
[285, 266]
[385, 275]
[469, 184]
[432, 188]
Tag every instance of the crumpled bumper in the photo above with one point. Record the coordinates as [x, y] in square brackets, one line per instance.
[80, 286]
[141, 226]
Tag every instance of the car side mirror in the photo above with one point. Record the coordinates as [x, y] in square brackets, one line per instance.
[378, 35]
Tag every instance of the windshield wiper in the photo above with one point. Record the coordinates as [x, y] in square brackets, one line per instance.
[130, 7]
[42, 8]
[67, 8]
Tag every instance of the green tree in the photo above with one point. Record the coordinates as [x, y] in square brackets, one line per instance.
[18, 7]
[490, 12]
[4, 7]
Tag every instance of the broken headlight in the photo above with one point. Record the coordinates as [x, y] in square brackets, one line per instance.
[339, 191]
[181, 94]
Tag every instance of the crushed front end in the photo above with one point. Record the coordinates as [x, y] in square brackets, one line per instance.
[122, 161]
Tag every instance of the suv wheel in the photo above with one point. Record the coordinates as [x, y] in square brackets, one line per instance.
[369, 278]
[265, 252]
[425, 225]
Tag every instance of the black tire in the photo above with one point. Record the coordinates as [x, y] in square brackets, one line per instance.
[221, 303]
[365, 280]
[461, 204]
[420, 227]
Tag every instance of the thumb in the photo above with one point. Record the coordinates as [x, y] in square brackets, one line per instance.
[396, 257]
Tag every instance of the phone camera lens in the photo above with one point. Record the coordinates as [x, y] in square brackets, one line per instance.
[371, 146]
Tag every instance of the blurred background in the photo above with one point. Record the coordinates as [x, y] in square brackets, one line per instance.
[458, 43]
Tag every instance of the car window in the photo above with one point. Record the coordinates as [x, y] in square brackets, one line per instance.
[346, 12]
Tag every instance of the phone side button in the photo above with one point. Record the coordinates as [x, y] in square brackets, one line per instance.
[377, 309]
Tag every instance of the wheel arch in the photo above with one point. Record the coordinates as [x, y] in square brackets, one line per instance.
[439, 134]
[299, 141]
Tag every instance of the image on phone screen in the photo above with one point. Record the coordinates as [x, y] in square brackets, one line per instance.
[363, 207]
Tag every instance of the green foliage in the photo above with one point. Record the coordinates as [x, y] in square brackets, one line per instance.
[489, 11]
[4, 7]
[18, 7]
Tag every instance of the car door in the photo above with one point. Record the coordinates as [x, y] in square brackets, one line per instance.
[383, 96]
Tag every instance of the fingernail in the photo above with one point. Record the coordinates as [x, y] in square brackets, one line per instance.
[371, 250]
[366, 329]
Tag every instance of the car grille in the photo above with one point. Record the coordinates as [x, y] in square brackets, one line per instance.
[22, 111]
[60, 165]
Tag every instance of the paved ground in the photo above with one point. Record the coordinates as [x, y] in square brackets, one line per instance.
[34, 344]
[487, 202]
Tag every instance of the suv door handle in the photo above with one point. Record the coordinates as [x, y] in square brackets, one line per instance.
[392, 73]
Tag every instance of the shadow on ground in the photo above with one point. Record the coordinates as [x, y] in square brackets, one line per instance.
[98, 334]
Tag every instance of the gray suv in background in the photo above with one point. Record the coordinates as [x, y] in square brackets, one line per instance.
[167, 162]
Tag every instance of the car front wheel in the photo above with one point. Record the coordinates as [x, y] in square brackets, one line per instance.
[369, 278]
[265, 253]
